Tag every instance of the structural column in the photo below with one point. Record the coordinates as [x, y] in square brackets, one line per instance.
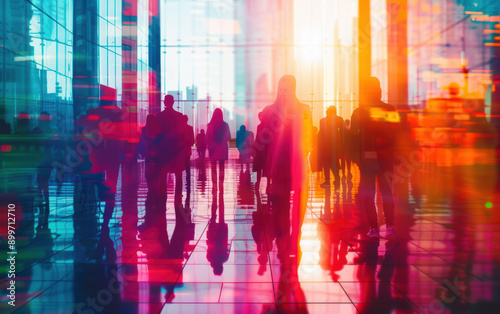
[364, 42]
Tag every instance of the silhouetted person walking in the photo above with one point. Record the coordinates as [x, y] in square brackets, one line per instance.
[331, 129]
[46, 136]
[290, 126]
[201, 144]
[218, 136]
[150, 134]
[373, 128]
[244, 143]
[171, 154]
[188, 142]
[347, 149]
[260, 150]
[106, 156]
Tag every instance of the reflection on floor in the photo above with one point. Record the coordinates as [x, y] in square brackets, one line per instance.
[445, 258]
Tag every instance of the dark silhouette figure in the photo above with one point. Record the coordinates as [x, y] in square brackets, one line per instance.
[150, 134]
[201, 144]
[188, 142]
[46, 136]
[171, 155]
[347, 150]
[259, 152]
[244, 143]
[331, 131]
[374, 125]
[218, 136]
[106, 156]
[290, 125]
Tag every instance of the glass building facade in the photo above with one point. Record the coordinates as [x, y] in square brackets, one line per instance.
[37, 60]
[58, 56]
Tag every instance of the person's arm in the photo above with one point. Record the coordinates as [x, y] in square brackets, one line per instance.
[191, 137]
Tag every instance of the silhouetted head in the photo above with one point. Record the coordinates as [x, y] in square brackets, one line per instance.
[169, 101]
[243, 128]
[217, 116]
[347, 122]
[261, 116]
[331, 111]
[286, 89]
[202, 131]
[186, 118]
[371, 90]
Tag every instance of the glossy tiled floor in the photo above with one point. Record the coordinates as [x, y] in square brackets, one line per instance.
[444, 260]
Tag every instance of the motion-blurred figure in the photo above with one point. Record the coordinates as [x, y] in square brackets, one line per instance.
[290, 125]
[347, 150]
[201, 144]
[45, 134]
[244, 143]
[150, 134]
[331, 129]
[171, 155]
[259, 152]
[188, 142]
[106, 156]
[374, 125]
[218, 136]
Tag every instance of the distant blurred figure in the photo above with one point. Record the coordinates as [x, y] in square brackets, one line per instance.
[244, 143]
[347, 149]
[218, 136]
[188, 142]
[171, 154]
[201, 144]
[259, 152]
[106, 156]
[374, 125]
[331, 129]
[46, 145]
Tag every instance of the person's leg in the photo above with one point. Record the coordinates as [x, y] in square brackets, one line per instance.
[214, 175]
[385, 185]
[221, 174]
[179, 210]
[178, 188]
[161, 197]
[259, 176]
[369, 189]
[326, 171]
[188, 174]
[342, 163]
[348, 163]
[336, 169]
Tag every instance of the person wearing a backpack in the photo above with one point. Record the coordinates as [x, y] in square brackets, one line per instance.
[373, 129]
